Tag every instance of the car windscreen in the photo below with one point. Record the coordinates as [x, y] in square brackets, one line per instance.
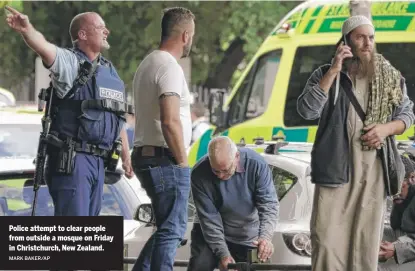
[16, 198]
[19, 140]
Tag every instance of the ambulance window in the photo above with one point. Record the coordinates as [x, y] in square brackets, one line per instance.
[251, 99]
[306, 60]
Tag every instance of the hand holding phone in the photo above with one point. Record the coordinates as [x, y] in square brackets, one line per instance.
[343, 51]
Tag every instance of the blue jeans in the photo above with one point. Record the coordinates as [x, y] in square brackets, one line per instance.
[168, 187]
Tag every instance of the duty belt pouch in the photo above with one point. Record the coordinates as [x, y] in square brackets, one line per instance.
[113, 157]
[66, 157]
[393, 168]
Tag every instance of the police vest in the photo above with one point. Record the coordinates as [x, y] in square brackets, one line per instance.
[90, 115]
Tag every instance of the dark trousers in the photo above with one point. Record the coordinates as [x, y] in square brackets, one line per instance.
[168, 187]
[202, 257]
[79, 193]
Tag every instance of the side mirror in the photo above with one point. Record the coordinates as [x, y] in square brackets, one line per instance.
[144, 213]
[216, 114]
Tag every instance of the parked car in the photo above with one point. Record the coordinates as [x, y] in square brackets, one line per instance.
[19, 134]
[19, 138]
[120, 198]
[290, 168]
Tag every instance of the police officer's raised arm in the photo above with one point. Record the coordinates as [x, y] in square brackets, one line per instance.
[62, 63]
[33, 38]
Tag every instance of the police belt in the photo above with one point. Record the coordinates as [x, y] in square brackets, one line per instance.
[91, 149]
[114, 106]
[61, 141]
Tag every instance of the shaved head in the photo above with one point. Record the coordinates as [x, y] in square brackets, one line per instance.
[81, 21]
[88, 31]
[77, 22]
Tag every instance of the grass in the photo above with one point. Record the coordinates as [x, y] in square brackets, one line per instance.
[15, 183]
[17, 204]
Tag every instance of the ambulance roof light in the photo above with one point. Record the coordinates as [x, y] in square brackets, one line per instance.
[285, 30]
[286, 27]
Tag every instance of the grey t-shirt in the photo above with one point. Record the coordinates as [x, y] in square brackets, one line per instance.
[64, 71]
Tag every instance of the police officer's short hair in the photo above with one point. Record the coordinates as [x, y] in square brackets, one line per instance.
[173, 17]
[76, 25]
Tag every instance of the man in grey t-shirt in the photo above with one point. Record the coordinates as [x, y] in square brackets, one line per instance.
[76, 182]
[162, 135]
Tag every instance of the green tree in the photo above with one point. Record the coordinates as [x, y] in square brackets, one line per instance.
[227, 33]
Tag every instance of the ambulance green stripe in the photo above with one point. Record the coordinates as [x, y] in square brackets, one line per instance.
[309, 25]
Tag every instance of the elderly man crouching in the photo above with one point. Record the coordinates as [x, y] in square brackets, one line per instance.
[236, 204]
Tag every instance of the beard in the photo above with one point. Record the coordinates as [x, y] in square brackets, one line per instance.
[186, 50]
[105, 46]
[361, 66]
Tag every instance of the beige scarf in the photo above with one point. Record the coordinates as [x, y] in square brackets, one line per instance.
[385, 92]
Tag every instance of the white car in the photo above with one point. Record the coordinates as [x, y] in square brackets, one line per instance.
[19, 137]
[291, 174]
[19, 134]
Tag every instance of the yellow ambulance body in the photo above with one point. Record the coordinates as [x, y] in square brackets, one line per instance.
[263, 101]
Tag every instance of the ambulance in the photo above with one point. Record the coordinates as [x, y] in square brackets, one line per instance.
[263, 101]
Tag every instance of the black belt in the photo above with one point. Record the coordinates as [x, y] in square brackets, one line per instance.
[155, 151]
[91, 149]
[60, 140]
[162, 155]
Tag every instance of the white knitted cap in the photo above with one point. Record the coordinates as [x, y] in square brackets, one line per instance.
[355, 21]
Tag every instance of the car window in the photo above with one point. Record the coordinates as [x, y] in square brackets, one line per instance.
[283, 181]
[19, 140]
[111, 202]
[16, 198]
[251, 99]
[309, 58]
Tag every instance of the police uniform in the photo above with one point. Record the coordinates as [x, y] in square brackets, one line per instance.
[89, 120]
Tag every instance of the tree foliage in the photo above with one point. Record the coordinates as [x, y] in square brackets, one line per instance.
[135, 31]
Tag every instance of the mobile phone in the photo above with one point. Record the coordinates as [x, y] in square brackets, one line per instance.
[344, 40]
[347, 60]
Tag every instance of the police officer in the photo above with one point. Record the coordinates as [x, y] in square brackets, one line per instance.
[89, 129]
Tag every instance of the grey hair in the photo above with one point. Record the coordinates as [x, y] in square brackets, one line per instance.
[222, 145]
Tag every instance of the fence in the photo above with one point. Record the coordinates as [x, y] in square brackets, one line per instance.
[240, 266]
[202, 94]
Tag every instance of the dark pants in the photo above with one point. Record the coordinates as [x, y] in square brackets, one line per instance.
[80, 193]
[168, 187]
[202, 257]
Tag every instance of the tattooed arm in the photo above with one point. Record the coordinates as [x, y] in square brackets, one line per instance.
[170, 90]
